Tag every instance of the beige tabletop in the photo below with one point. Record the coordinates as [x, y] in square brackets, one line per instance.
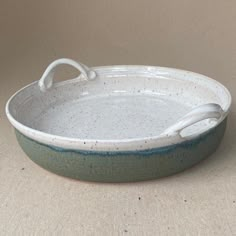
[188, 35]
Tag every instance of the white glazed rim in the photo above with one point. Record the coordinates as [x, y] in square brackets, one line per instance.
[134, 144]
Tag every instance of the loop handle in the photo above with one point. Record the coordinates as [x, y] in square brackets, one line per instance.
[203, 112]
[46, 80]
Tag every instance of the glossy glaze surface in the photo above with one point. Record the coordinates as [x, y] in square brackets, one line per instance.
[122, 108]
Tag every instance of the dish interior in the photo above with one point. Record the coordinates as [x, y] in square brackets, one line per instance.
[111, 108]
[110, 117]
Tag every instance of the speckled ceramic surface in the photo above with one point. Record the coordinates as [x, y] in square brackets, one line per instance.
[119, 123]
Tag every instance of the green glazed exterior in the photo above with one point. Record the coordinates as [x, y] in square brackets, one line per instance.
[123, 166]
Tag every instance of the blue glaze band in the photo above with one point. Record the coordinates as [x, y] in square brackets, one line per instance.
[166, 149]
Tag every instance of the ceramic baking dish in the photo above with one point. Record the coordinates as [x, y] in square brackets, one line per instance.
[119, 123]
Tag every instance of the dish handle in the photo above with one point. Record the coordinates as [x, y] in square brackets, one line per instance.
[200, 113]
[46, 80]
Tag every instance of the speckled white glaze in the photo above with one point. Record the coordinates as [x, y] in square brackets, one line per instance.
[118, 107]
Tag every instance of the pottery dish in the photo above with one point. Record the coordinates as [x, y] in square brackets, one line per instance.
[119, 123]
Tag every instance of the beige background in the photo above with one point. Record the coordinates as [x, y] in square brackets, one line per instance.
[193, 35]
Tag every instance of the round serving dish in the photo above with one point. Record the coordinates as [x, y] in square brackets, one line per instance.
[119, 123]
